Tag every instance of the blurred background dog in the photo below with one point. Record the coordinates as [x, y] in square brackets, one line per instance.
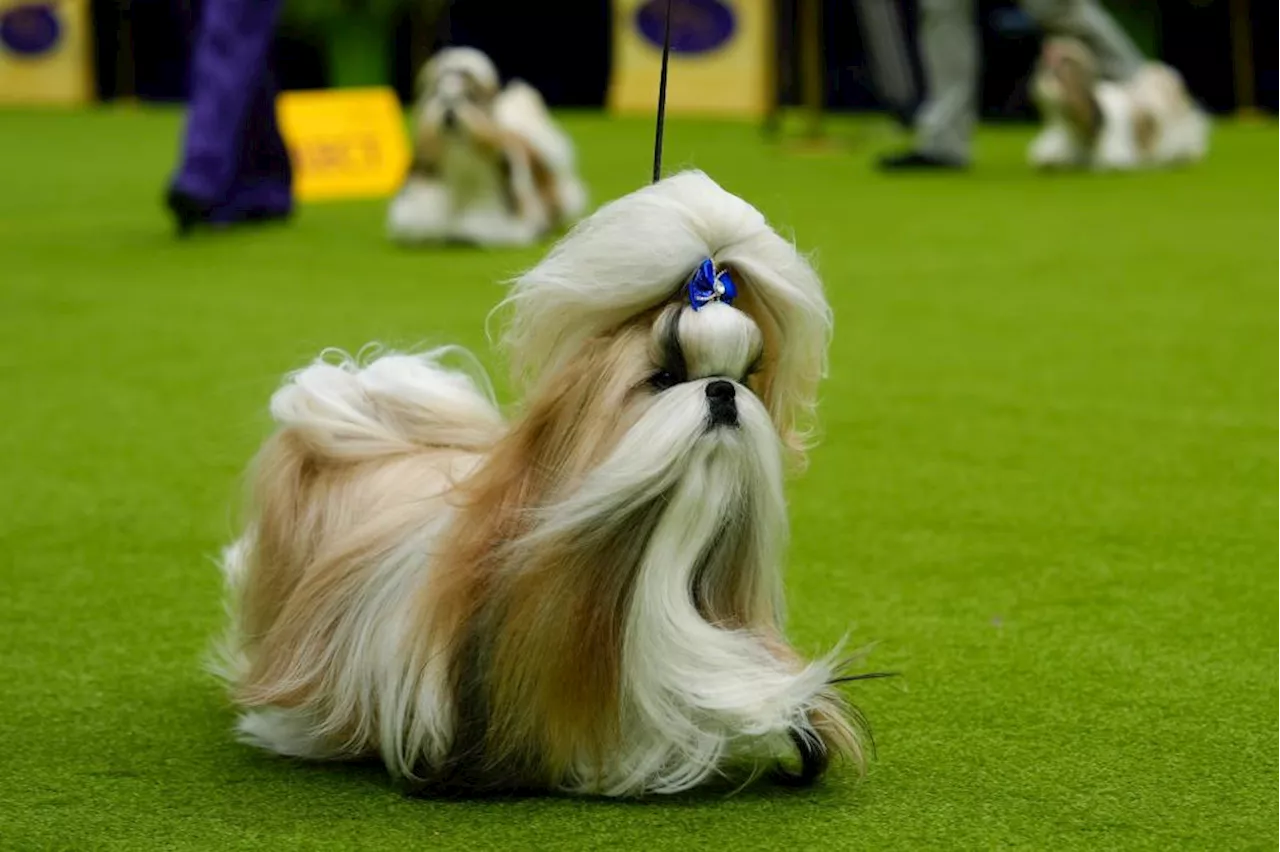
[1148, 120]
[490, 166]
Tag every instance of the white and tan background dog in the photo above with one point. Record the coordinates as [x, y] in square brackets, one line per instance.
[490, 165]
[1145, 121]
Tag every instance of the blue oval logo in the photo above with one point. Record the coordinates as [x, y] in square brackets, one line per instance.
[30, 29]
[697, 26]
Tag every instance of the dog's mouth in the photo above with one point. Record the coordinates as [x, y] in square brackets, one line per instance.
[453, 113]
[722, 407]
[722, 417]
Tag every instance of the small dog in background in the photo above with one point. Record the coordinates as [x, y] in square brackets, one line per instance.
[588, 598]
[1149, 120]
[490, 166]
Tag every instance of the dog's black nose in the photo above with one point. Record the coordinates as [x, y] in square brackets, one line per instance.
[450, 119]
[720, 389]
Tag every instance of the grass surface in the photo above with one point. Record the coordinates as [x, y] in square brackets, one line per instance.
[1048, 491]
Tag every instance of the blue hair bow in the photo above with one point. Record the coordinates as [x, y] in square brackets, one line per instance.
[707, 286]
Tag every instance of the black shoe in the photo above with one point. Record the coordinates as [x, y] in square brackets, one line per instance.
[266, 215]
[187, 211]
[915, 161]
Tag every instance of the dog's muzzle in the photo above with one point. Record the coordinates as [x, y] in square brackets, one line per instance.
[724, 411]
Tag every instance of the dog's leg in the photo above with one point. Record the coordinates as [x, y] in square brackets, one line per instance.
[287, 732]
[494, 226]
[1056, 148]
[512, 214]
[1116, 149]
[420, 211]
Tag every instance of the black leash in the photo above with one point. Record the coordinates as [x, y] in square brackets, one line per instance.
[662, 96]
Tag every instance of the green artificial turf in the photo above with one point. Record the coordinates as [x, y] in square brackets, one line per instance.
[1047, 492]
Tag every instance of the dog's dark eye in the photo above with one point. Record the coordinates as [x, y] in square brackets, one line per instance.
[662, 380]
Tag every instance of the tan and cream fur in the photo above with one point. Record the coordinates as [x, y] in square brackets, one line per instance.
[490, 166]
[1146, 121]
[585, 597]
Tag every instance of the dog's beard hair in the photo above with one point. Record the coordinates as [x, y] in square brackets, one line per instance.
[692, 685]
[667, 551]
[706, 668]
[541, 654]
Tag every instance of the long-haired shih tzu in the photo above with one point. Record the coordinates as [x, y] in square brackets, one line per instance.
[490, 166]
[585, 598]
[1148, 120]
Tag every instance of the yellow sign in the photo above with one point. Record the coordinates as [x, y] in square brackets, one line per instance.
[45, 50]
[344, 143]
[722, 57]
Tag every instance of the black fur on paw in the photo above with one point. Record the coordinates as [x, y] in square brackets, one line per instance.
[814, 761]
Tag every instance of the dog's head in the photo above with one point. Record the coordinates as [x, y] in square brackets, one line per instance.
[1065, 75]
[456, 89]
[630, 311]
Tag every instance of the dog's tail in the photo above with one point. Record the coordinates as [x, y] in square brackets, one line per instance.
[227, 658]
[337, 411]
[395, 403]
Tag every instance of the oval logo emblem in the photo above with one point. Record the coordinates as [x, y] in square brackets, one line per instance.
[697, 26]
[30, 29]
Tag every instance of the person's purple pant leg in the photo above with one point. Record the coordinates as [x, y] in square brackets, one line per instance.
[234, 162]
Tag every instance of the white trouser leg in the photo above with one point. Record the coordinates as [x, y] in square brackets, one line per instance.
[949, 50]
